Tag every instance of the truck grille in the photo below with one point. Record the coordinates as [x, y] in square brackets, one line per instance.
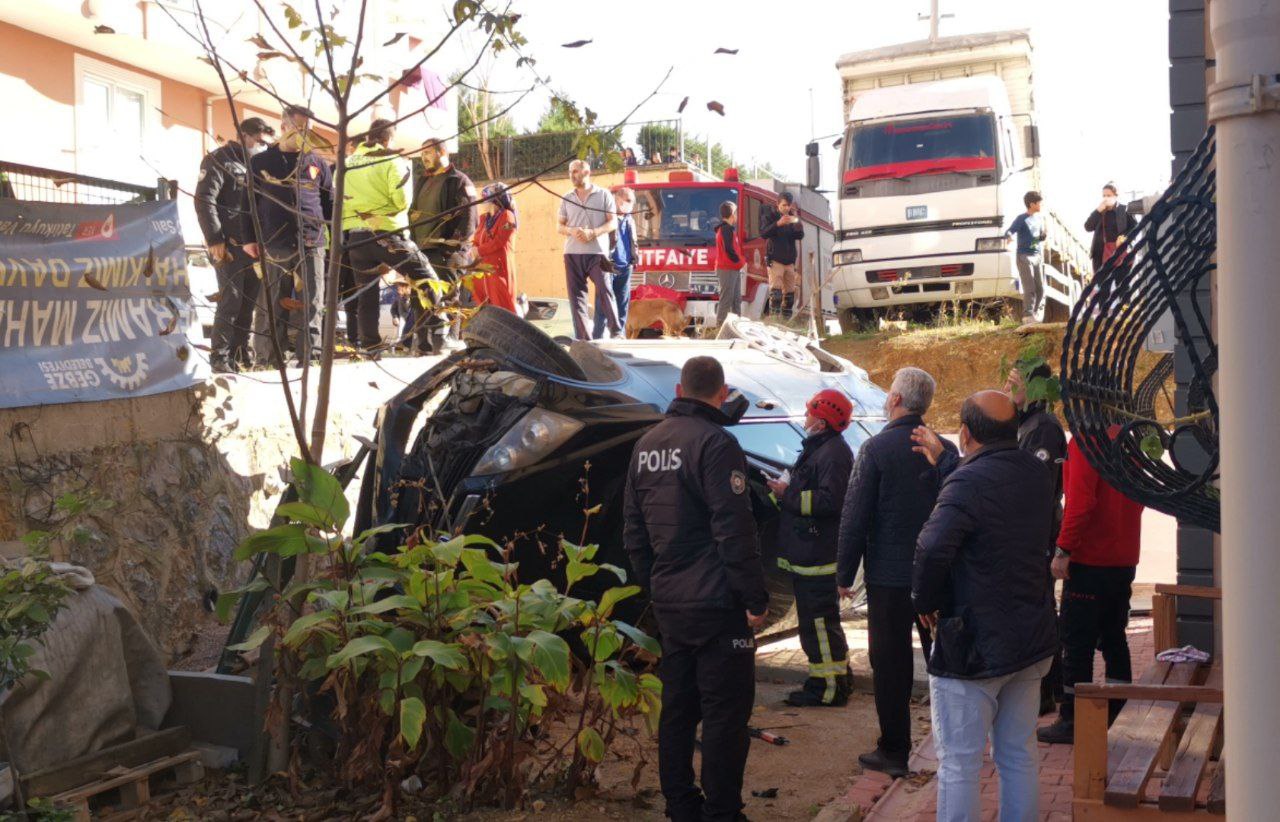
[697, 282]
[923, 272]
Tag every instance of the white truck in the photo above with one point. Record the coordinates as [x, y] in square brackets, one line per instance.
[939, 148]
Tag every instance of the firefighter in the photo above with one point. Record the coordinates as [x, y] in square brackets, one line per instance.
[691, 538]
[811, 498]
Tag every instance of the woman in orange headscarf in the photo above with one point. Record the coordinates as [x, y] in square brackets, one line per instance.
[494, 243]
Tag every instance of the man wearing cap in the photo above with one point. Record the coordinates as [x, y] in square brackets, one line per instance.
[891, 494]
[219, 196]
[810, 496]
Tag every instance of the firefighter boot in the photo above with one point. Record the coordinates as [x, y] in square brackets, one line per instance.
[788, 304]
[775, 302]
[815, 694]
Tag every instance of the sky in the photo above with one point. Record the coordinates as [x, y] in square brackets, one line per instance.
[1101, 75]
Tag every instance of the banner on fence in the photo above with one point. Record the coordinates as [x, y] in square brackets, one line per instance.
[94, 302]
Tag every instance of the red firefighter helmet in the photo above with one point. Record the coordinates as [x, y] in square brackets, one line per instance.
[831, 406]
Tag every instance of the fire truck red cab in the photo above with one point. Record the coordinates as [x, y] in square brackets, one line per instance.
[675, 240]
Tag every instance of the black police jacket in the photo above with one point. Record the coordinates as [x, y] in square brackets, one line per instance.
[980, 563]
[689, 530]
[294, 192]
[1041, 435]
[890, 495]
[811, 505]
[220, 194]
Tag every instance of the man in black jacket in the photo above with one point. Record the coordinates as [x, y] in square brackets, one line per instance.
[293, 203]
[979, 581]
[219, 196]
[442, 218]
[691, 538]
[781, 227]
[890, 496]
[810, 497]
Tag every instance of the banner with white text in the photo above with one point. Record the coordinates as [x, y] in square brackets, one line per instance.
[94, 302]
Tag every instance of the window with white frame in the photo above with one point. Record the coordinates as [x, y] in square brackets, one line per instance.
[117, 122]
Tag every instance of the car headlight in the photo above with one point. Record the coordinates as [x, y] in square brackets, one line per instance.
[991, 243]
[537, 434]
[847, 256]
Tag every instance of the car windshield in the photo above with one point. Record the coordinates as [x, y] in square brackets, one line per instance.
[776, 442]
[680, 216]
[934, 138]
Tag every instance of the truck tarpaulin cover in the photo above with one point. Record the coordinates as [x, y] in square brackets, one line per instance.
[93, 301]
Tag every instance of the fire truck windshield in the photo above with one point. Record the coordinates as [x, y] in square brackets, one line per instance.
[680, 216]
[931, 145]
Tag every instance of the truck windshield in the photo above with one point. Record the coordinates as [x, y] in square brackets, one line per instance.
[930, 145]
[680, 216]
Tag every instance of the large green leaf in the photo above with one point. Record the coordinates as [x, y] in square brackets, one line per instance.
[284, 540]
[255, 639]
[307, 513]
[321, 489]
[359, 646]
[551, 658]
[413, 715]
[442, 655]
[575, 571]
[478, 564]
[615, 570]
[390, 603]
[230, 598]
[303, 626]
[613, 596]
[458, 738]
[602, 644]
[639, 637]
[591, 744]
[618, 687]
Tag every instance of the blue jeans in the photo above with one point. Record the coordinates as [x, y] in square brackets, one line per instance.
[620, 284]
[967, 711]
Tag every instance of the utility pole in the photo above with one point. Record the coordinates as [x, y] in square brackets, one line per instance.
[1244, 106]
[933, 17]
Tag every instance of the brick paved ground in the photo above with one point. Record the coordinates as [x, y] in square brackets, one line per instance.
[915, 798]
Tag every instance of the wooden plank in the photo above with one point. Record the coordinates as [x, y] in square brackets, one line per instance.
[141, 773]
[78, 771]
[1127, 777]
[1218, 790]
[1093, 810]
[1155, 693]
[1164, 617]
[1198, 591]
[1132, 714]
[1178, 791]
[1090, 749]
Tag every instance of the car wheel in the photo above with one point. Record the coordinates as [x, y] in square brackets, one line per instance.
[776, 342]
[518, 340]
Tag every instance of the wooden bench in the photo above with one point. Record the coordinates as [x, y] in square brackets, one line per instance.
[1153, 761]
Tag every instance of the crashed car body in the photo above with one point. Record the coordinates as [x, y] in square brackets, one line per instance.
[527, 440]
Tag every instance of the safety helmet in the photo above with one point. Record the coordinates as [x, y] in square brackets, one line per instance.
[831, 406]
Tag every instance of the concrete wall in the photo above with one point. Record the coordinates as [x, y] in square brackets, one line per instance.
[1190, 71]
[540, 250]
[189, 473]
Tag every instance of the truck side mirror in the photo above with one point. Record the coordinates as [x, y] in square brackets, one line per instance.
[1033, 142]
[813, 166]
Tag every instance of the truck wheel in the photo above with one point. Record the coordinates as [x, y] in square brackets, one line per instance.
[504, 332]
[858, 319]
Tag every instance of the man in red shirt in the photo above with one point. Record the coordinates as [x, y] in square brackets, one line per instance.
[1096, 557]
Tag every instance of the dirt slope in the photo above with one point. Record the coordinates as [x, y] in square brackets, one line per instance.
[962, 358]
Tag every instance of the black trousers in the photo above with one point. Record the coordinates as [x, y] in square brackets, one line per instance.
[1094, 615]
[346, 293]
[890, 622]
[821, 636]
[708, 674]
[238, 286]
[367, 258]
[296, 277]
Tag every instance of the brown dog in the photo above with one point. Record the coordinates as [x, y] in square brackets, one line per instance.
[643, 313]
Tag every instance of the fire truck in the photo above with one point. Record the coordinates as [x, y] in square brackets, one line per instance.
[675, 240]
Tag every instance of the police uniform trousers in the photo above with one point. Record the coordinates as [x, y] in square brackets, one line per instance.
[708, 676]
[821, 636]
[368, 255]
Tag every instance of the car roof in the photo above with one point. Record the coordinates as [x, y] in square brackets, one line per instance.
[775, 387]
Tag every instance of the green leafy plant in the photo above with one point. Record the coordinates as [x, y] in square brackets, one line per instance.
[1032, 356]
[67, 529]
[433, 659]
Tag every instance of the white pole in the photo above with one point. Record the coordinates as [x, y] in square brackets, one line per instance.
[1243, 104]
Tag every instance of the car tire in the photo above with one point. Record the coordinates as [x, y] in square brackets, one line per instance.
[500, 330]
[776, 342]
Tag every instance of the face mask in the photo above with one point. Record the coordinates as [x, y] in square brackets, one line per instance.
[258, 149]
[816, 428]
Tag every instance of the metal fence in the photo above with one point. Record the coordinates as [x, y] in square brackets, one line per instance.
[506, 158]
[1170, 465]
[24, 182]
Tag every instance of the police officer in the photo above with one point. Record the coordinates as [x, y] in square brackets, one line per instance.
[219, 200]
[691, 537]
[811, 500]
[1040, 434]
